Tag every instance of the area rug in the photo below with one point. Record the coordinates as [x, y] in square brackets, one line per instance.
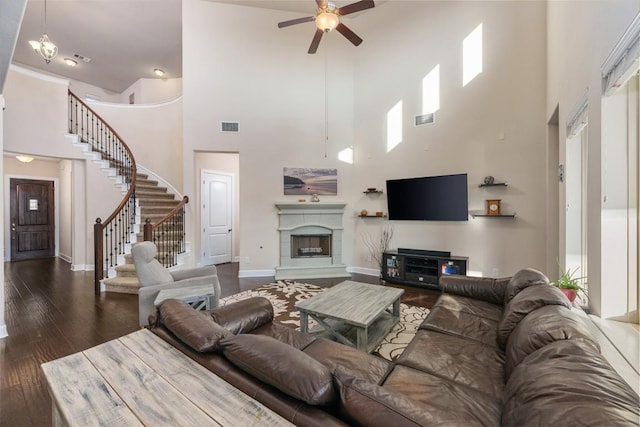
[284, 294]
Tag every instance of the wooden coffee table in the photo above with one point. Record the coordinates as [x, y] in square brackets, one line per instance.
[354, 313]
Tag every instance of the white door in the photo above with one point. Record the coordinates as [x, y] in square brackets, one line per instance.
[217, 217]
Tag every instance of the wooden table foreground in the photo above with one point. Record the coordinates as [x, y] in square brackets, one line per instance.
[141, 380]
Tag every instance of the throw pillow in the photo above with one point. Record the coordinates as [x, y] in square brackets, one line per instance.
[284, 367]
[194, 328]
[245, 315]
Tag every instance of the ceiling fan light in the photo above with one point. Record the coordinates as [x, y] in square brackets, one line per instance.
[327, 21]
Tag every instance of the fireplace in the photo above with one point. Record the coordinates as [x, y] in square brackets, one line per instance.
[310, 245]
[310, 240]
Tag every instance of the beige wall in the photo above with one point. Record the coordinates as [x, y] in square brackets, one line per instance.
[277, 93]
[3, 323]
[580, 37]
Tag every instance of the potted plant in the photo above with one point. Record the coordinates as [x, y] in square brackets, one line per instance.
[568, 284]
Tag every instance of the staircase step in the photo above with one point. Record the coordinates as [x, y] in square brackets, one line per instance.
[150, 210]
[149, 189]
[123, 285]
[146, 182]
[166, 202]
[126, 270]
[153, 195]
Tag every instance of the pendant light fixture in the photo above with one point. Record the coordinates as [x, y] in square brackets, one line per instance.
[45, 47]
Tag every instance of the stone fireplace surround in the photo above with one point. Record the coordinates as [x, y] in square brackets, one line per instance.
[310, 218]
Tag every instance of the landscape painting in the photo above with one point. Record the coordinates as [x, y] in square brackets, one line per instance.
[308, 181]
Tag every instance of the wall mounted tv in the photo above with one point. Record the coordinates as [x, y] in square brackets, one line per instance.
[432, 198]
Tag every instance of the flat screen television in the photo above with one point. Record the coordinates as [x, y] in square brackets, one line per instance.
[432, 198]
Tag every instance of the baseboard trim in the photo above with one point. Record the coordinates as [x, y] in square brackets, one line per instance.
[78, 267]
[257, 273]
[3, 331]
[365, 271]
[65, 258]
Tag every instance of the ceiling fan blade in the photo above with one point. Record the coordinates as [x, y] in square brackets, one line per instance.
[295, 21]
[316, 41]
[356, 7]
[322, 4]
[350, 35]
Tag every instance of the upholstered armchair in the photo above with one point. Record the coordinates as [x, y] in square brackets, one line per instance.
[154, 277]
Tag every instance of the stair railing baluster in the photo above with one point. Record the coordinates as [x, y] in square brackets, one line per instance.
[163, 234]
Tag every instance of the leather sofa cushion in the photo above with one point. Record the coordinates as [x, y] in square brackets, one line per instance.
[285, 334]
[367, 404]
[526, 301]
[456, 359]
[469, 305]
[192, 327]
[453, 404]
[282, 366]
[479, 288]
[363, 365]
[542, 327]
[461, 324]
[568, 383]
[244, 316]
[523, 279]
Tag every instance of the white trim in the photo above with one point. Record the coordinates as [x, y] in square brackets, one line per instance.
[78, 267]
[65, 258]
[32, 73]
[578, 118]
[257, 273]
[622, 62]
[3, 331]
[132, 106]
[7, 211]
[365, 271]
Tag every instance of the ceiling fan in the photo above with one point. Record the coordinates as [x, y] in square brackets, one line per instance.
[327, 18]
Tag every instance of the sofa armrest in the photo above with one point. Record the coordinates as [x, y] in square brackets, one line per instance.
[148, 294]
[244, 316]
[481, 288]
[209, 270]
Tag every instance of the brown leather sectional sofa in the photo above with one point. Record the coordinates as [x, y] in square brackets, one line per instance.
[491, 352]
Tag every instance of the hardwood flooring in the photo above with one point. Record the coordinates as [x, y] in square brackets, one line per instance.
[52, 312]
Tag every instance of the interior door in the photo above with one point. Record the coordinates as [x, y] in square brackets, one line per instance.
[217, 217]
[32, 219]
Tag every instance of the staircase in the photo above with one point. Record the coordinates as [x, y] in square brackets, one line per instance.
[145, 203]
[154, 203]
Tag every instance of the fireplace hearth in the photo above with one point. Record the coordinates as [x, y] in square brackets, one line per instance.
[310, 241]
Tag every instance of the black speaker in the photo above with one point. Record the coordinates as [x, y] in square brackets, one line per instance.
[424, 252]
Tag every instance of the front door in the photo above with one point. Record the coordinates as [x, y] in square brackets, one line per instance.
[216, 218]
[32, 219]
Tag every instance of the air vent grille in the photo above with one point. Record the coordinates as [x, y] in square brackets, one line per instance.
[425, 119]
[232, 127]
[81, 57]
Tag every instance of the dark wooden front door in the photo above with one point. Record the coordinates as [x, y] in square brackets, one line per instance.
[32, 219]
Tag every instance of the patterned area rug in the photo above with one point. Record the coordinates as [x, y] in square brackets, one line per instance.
[284, 294]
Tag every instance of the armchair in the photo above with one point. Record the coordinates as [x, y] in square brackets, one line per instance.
[154, 277]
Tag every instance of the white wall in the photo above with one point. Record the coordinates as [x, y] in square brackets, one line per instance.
[275, 90]
[3, 323]
[152, 91]
[580, 37]
[153, 132]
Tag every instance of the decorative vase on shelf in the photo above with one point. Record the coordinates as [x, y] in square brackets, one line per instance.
[363, 212]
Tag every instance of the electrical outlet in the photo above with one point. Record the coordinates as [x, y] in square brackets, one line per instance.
[247, 260]
[369, 259]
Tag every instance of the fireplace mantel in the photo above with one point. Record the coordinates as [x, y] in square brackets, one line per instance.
[307, 218]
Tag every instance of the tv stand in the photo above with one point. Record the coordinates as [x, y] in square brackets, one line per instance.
[418, 268]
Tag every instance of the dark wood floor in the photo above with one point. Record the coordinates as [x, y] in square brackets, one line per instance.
[52, 312]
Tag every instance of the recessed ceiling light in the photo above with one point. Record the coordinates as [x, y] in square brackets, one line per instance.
[70, 62]
[158, 72]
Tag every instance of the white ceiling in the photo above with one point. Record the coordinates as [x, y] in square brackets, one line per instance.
[125, 39]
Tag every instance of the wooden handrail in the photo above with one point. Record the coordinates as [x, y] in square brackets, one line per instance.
[148, 226]
[128, 171]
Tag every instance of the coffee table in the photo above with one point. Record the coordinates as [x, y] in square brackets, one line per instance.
[200, 297]
[354, 313]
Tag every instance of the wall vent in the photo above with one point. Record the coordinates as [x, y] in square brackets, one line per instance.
[81, 57]
[233, 127]
[425, 119]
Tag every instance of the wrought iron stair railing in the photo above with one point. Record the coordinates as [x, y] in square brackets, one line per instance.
[110, 236]
[168, 234]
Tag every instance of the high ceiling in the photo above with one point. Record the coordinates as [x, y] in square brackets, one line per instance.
[125, 39]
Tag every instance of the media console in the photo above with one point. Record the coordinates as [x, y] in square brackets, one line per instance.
[420, 267]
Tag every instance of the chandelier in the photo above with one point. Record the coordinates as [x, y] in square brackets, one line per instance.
[45, 47]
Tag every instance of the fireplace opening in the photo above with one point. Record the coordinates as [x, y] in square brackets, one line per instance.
[310, 245]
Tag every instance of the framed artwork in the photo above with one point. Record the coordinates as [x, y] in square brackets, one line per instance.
[307, 181]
